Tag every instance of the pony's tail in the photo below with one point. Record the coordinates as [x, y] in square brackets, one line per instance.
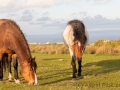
[79, 30]
[5, 61]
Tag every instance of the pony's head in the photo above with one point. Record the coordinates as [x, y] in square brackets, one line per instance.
[28, 71]
[77, 48]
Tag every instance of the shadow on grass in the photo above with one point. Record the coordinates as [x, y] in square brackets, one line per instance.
[56, 81]
[56, 76]
[93, 68]
[105, 66]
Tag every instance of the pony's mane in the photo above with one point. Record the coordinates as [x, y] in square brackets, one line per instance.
[18, 34]
[79, 30]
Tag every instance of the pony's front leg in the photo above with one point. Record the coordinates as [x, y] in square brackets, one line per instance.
[9, 67]
[79, 67]
[15, 65]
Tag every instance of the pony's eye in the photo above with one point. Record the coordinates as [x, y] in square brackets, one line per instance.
[74, 44]
[31, 69]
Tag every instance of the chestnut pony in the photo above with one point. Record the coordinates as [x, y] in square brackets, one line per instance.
[75, 37]
[12, 40]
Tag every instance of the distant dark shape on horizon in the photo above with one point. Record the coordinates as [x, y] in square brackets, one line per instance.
[93, 36]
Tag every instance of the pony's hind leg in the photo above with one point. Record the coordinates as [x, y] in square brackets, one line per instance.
[79, 67]
[15, 65]
[1, 68]
[73, 62]
[5, 64]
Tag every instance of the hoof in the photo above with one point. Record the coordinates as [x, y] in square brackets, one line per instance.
[35, 84]
[79, 75]
[1, 79]
[32, 83]
[17, 81]
[9, 79]
[73, 79]
[76, 71]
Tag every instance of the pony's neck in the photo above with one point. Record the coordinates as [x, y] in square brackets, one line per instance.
[15, 40]
[23, 56]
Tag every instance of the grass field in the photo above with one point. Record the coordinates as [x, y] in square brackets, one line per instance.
[100, 72]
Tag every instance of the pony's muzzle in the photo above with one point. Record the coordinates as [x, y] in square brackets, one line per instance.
[32, 83]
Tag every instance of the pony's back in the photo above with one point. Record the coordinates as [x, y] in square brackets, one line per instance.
[75, 30]
[13, 36]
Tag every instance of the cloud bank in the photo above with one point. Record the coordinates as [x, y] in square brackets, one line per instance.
[20, 4]
[31, 19]
[99, 22]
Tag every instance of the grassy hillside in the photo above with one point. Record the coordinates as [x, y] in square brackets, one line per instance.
[100, 72]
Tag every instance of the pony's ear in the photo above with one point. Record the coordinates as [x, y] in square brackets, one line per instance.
[34, 58]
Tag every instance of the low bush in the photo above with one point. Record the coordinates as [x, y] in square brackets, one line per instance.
[104, 50]
[49, 48]
[98, 47]
[90, 50]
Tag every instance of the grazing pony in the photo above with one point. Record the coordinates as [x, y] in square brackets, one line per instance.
[12, 40]
[75, 37]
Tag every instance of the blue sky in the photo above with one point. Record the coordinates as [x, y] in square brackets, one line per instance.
[51, 16]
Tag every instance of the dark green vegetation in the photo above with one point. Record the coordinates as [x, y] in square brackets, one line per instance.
[100, 72]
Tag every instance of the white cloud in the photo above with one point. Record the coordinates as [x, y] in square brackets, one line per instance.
[7, 3]
[12, 15]
[71, 1]
[19, 4]
[44, 19]
[83, 14]
[45, 14]
[101, 1]
[26, 16]
[94, 1]
[36, 3]
[10, 5]
[101, 23]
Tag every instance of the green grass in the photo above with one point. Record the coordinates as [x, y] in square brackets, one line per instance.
[54, 72]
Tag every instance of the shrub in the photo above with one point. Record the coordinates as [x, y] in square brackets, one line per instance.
[98, 47]
[49, 48]
[90, 50]
[117, 49]
[99, 43]
[105, 49]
